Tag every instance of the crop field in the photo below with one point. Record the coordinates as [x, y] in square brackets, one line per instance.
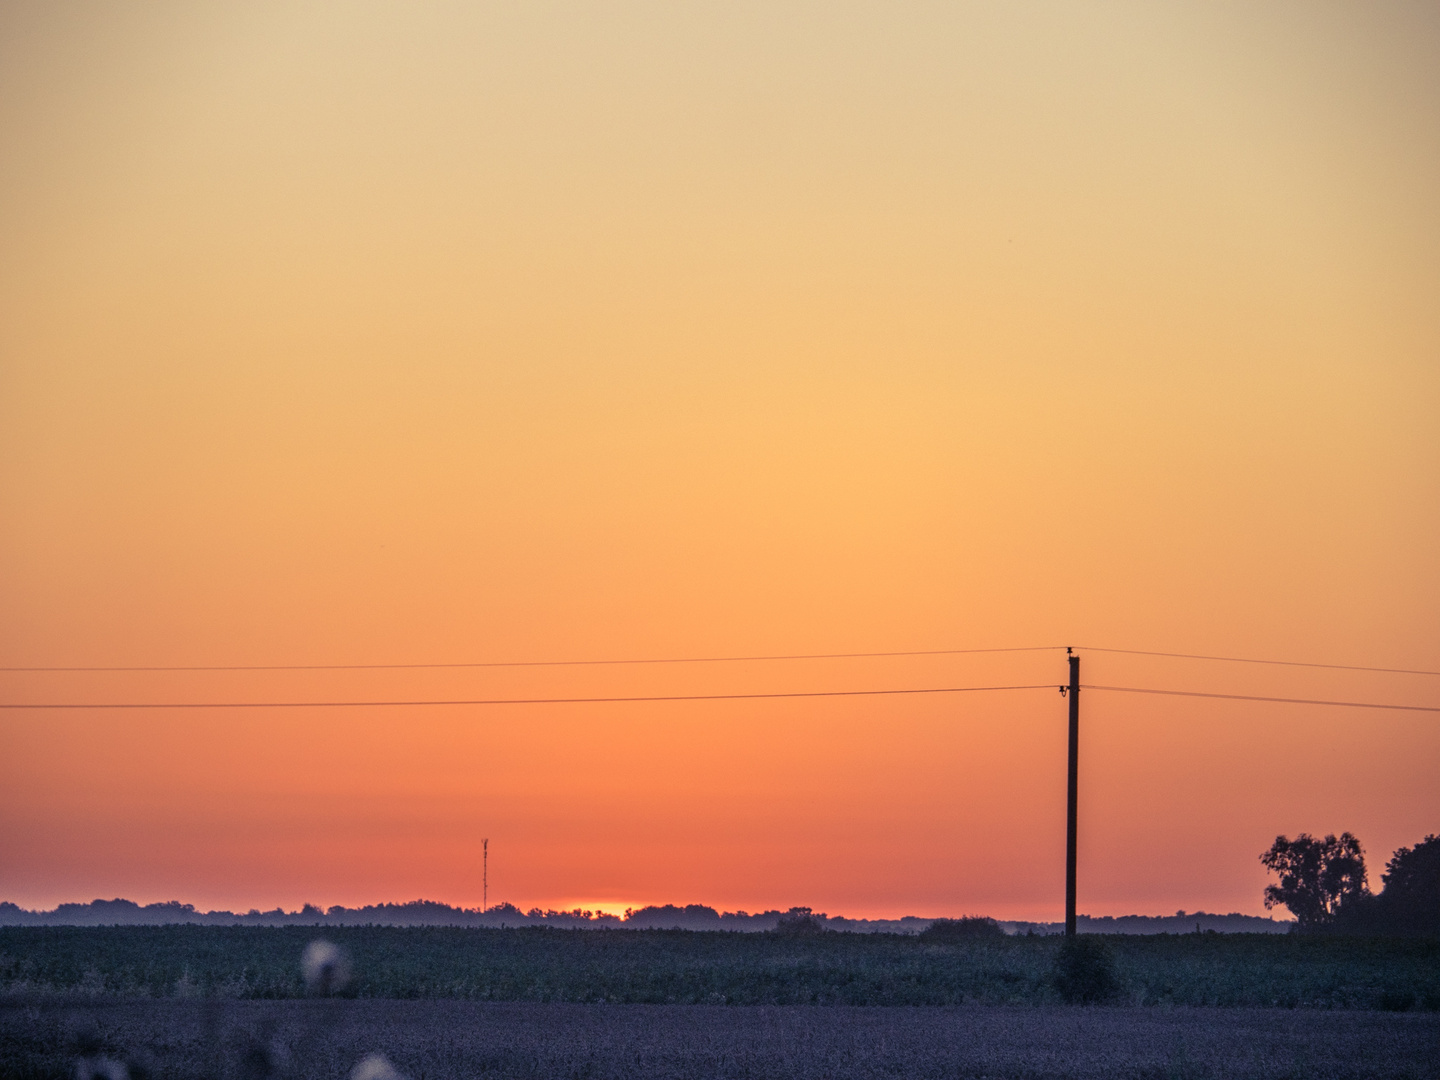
[436, 1040]
[231, 1002]
[687, 967]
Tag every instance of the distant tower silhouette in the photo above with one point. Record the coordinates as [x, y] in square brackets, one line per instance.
[485, 875]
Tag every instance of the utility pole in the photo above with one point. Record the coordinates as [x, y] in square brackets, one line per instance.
[1070, 827]
[485, 875]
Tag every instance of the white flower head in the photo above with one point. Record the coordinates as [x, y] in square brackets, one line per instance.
[325, 966]
[375, 1067]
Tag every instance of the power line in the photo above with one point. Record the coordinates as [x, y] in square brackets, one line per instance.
[1254, 697]
[687, 697]
[1251, 660]
[710, 660]
[544, 663]
[510, 701]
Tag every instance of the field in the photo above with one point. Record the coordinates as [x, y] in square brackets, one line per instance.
[438, 1040]
[187, 1001]
[686, 967]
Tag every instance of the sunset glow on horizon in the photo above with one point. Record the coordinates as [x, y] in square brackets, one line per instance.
[387, 334]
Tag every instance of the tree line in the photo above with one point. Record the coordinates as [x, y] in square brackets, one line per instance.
[1325, 885]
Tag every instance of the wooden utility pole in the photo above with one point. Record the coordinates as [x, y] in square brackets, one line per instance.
[485, 875]
[1070, 827]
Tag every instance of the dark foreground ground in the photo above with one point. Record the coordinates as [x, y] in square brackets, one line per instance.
[435, 1040]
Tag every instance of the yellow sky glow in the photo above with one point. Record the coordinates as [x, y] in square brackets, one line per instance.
[436, 332]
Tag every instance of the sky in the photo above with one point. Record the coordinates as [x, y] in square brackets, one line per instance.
[442, 333]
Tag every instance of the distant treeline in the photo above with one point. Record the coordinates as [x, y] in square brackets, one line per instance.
[666, 917]
[1182, 922]
[430, 913]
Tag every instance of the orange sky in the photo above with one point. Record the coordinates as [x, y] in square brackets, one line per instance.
[437, 332]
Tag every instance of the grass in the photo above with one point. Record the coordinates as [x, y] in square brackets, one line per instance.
[441, 1040]
[687, 967]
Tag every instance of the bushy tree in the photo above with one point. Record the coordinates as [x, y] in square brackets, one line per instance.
[799, 922]
[1410, 901]
[961, 931]
[1317, 877]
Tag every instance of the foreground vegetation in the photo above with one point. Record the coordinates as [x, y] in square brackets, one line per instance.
[450, 1040]
[685, 967]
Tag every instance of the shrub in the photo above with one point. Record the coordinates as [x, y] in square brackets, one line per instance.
[960, 931]
[1084, 972]
[799, 922]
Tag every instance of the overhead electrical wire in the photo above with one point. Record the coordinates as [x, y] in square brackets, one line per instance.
[630, 699]
[546, 663]
[1256, 697]
[711, 660]
[513, 701]
[634, 699]
[1251, 660]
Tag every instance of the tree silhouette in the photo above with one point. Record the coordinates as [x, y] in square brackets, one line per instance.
[1316, 876]
[1410, 902]
[960, 931]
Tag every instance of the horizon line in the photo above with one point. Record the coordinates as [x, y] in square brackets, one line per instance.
[582, 913]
